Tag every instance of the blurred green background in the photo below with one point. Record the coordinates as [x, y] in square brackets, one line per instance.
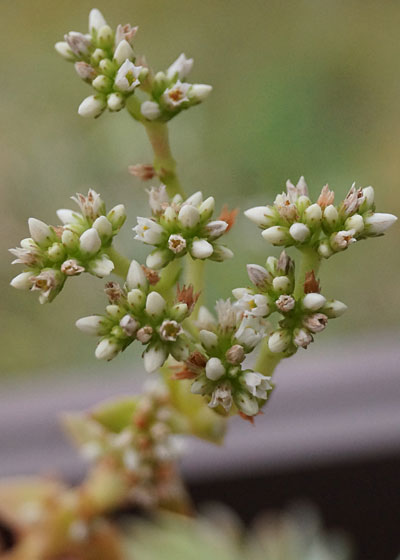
[306, 87]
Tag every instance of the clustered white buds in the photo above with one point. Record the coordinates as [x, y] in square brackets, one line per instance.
[53, 253]
[144, 446]
[274, 292]
[294, 220]
[216, 368]
[139, 312]
[105, 59]
[178, 227]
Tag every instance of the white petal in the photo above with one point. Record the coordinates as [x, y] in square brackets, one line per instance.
[155, 304]
[201, 249]
[136, 277]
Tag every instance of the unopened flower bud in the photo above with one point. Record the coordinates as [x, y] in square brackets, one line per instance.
[221, 253]
[355, 222]
[334, 308]
[115, 102]
[208, 339]
[40, 232]
[123, 52]
[157, 259]
[276, 235]
[313, 301]
[22, 281]
[205, 319]
[279, 341]
[85, 71]
[154, 357]
[201, 249]
[144, 334]
[299, 232]
[180, 68]
[96, 20]
[56, 252]
[206, 208]
[263, 216]
[101, 266]
[282, 284]
[136, 299]
[325, 250]
[103, 227]
[64, 50]
[331, 216]
[117, 216]
[106, 66]
[150, 110]
[216, 228]
[214, 369]
[129, 325]
[106, 349]
[70, 239]
[136, 278]
[246, 403]
[378, 223]
[235, 355]
[97, 57]
[189, 216]
[102, 84]
[369, 197]
[155, 304]
[92, 106]
[179, 312]
[259, 276]
[199, 92]
[90, 241]
[313, 215]
[105, 36]
[94, 325]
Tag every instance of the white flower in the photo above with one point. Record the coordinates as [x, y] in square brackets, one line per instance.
[251, 330]
[313, 301]
[92, 206]
[90, 241]
[176, 243]
[227, 314]
[221, 396]
[294, 192]
[263, 216]
[255, 304]
[158, 198]
[276, 235]
[189, 216]
[378, 223]
[106, 349]
[214, 369]
[205, 319]
[170, 330]
[257, 384]
[199, 92]
[176, 95]
[40, 232]
[93, 325]
[201, 249]
[126, 32]
[92, 106]
[22, 281]
[136, 277]
[315, 323]
[148, 231]
[154, 357]
[342, 239]
[299, 232]
[279, 341]
[127, 78]
[181, 67]
[155, 304]
[71, 267]
[96, 20]
[49, 282]
[285, 303]
[150, 110]
[123, 52]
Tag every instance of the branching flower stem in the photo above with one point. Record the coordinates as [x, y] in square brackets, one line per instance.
[121, 263]
[267, 360]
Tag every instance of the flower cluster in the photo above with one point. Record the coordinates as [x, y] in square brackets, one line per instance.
[273, 291]
[105, 59]
[216, 365]
[136, 312]
[144, 446]
[178, 227]
[54, 253]
[294, 220]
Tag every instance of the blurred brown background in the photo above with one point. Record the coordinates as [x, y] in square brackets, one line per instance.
[301, 87]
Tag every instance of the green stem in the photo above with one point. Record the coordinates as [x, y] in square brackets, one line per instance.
[169, 277]
[310, 261]
[164, 163]
[121, 263]
[267, 360]
[194, 274]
